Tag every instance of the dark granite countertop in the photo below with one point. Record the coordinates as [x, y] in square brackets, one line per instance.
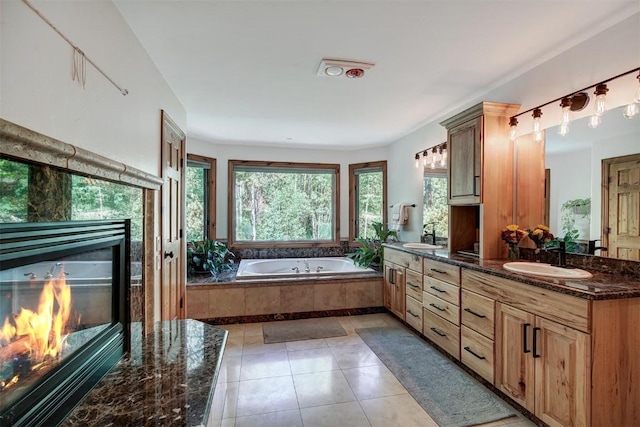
[168, 379]
[600, 286]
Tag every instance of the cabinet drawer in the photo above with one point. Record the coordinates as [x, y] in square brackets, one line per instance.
[566, 309]
[414, 284]
[404, 259]
[443, 290]
[477, 353]
[414, 313]
[443, 333]
[478, 313]
[442, 308]
[442, 271]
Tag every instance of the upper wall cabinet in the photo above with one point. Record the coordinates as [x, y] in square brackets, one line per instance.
[477, 144]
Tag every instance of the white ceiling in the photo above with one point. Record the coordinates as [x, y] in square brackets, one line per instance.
[245, 71]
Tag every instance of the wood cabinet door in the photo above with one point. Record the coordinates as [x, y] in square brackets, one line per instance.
[464, 147]
[562, 371]
[388, 285]
[398, 305]
[515, 371]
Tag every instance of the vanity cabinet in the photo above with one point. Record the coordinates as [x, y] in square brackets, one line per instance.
[464, 147]
[477, 333]
[544, 366]
[394, 289]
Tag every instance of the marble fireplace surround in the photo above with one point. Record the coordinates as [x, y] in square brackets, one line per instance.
[20, 143]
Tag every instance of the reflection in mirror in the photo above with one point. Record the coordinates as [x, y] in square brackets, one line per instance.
[435, 215]
[575, 162]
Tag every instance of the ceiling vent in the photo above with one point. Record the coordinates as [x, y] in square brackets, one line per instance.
[341, 68]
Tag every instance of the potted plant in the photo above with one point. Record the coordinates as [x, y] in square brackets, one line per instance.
[370, 253]
[209, 256]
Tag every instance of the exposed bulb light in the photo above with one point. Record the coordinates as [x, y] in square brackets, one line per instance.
[433, 158]
[594, 121]
[417, 160]
[633, 108]
[537, 132]
[566, 115]
[601, 104]
[443, 154]
[513, 132]
[425, 154]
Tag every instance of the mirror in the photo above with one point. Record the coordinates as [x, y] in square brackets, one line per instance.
[575, 164]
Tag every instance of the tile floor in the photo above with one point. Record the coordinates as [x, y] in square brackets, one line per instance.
[331, 382]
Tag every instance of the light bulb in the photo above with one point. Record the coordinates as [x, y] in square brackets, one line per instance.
[564, 129]
[537, 113]
[513, 124]
[636, 97]
[631, 110]
[443, 160]
[424, 158]
[601, 104]
[566, 111]
[594, 121]
[433, 157]
[417, 160]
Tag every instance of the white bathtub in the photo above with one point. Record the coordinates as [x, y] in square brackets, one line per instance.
[297, 267]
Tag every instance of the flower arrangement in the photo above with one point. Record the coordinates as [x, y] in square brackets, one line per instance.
[512, 234]
[540, 235]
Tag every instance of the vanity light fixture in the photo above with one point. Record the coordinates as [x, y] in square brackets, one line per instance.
[443, 155]
[577, 101]
[437, 156]
[417, 160]
[513, 125]
[565, 104]
[425, 153]
[434, 151]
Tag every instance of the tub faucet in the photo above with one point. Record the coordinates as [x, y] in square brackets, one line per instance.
[320, 268]
[307, 269]
[296, 269]
[49, 274]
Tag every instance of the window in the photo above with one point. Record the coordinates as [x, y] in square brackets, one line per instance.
[435, 209]
[290, 204]
[367, 198]
[200, 189]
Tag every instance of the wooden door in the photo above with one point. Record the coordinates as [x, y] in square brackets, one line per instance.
[621, 213]
[388, 285]
[562, 372]
[514, 362]
[173, 275]
[464, 162]
[399, 293]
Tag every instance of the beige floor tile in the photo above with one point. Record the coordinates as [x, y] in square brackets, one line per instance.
[229, 369]
[266, 395]
[368, 321]
[235, 330]
[312, 360]
[322, 388]
[373, 381]
[230, 401]
[274, 419]
[396, 411]
[229, 422]
[234, 346]
[252, 329]
[306, 344]
[350, 339]
[217, 404]
[355, 356]
[254, 344]
[348, 414]
[255, 366]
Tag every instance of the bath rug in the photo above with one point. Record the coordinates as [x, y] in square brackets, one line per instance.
[298, 330]
[446, 392]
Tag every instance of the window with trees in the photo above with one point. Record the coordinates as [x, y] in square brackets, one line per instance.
[283, 204]
[200, 196]
[367, 198]
[435, 209]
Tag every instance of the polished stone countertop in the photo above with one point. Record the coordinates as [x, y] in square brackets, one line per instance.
[610, 285]
[168, 379]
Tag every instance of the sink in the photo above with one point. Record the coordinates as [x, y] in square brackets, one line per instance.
[415, 245]
[547, 270]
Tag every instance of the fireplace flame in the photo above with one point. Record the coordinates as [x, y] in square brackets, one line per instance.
[40, 333]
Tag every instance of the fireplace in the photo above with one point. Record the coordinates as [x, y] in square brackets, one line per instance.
[64, 314]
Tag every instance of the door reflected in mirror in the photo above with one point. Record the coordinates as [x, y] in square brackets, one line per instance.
[575, 163]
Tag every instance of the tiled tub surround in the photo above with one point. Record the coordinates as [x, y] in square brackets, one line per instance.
[254, 300]
[168, 379]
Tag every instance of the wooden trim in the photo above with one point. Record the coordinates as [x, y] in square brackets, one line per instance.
[604, 203]
[483, 108]
[210, 231]
[284, 165]
[149, 258]
[353, 168]
[25, 144]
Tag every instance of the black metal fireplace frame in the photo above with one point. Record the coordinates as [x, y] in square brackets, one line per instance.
[60, 390]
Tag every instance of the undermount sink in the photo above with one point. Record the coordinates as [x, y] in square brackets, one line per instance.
[416, 245]
[547, 270]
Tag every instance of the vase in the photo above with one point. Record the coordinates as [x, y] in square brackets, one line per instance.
[513, 252]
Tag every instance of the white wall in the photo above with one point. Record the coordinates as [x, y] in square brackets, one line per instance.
[223, 153]
[38, 93]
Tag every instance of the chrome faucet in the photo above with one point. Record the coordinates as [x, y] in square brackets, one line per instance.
[296, 269]
[432, 234]
[49, 274]
[319, 269]
[307, 269]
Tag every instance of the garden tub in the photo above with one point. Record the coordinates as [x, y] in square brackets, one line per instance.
[298, 267]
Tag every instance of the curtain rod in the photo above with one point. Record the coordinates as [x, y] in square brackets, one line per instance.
[123, 91]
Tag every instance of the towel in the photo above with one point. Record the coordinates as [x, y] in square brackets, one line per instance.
[399, 216]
